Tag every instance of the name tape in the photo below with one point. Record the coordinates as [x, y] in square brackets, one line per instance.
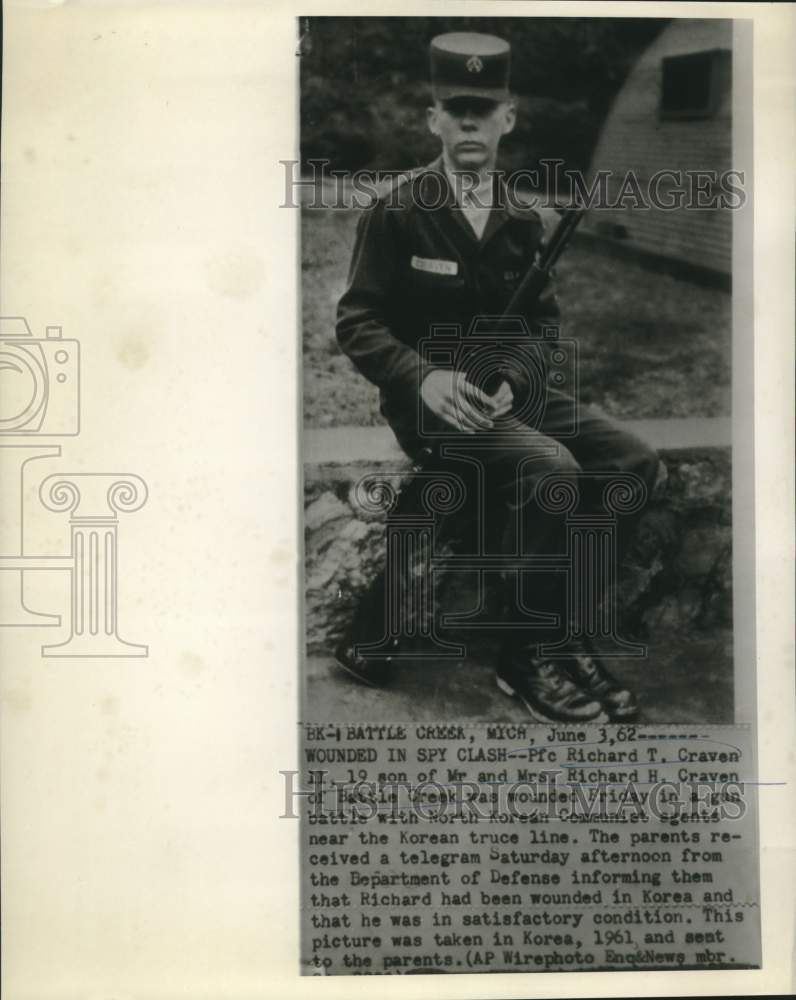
[435, 266]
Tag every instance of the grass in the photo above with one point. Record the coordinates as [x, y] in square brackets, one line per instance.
[650, 345]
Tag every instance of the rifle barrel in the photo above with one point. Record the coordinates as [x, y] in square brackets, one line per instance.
[539, 271]
[567, 227]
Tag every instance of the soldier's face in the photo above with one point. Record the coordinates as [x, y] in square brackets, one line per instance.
[470, 129]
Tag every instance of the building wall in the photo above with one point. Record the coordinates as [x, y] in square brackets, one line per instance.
[637, 138]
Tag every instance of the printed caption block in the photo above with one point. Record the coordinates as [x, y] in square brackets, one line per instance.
[509, 848]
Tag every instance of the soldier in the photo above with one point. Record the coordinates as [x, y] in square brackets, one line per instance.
[447, 245]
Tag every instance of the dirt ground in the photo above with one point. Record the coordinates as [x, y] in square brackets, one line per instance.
[687, 678]
[650, 345]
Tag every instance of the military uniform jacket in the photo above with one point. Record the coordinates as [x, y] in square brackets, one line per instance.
[417, 266]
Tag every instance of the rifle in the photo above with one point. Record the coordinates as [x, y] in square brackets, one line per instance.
[527, 292]
[538, 274]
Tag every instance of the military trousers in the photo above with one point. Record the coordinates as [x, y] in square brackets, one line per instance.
[522, 487]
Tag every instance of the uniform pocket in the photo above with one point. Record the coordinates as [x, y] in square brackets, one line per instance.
[430, 282]
[511, 271]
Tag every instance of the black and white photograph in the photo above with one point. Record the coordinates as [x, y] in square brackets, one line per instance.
[517, 318]
[396, 463]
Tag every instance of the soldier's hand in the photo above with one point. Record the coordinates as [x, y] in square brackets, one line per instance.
[502, 401]
[459, 403]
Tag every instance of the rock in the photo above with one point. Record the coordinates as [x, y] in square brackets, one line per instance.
[323, 510]
[325, 520]
[338, 572]
[675, 613]
[658, 530]
[635, 580]
[701, 480]
[701, 549]
[677, 574]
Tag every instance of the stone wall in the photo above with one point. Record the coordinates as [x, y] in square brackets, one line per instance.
[677, 576]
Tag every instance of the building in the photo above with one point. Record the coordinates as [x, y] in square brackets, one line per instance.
[673, 113]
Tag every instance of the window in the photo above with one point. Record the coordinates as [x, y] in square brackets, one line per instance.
[694, 84]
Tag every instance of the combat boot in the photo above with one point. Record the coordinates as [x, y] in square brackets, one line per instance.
[592, 677]
[544, 687]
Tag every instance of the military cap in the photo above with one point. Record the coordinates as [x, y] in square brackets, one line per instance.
[468, 64]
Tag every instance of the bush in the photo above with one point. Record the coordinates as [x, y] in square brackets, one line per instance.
[364, 85]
